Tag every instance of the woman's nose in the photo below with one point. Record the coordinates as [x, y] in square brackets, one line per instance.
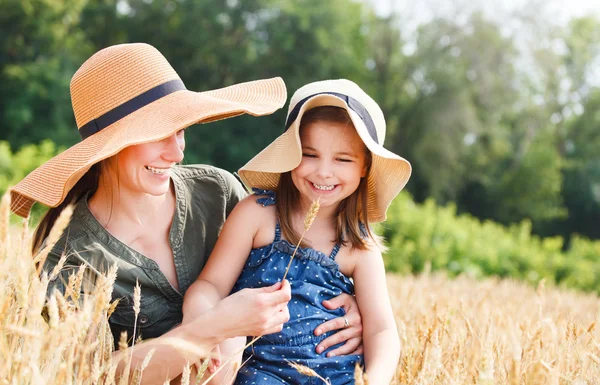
[174, 147]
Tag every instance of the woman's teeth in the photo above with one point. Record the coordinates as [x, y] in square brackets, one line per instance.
[159, 171]
[323, 187]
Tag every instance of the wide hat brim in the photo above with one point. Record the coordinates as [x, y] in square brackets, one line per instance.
[50, 183]
[388, 175]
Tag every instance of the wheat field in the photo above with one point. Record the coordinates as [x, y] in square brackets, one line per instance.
[458, 331]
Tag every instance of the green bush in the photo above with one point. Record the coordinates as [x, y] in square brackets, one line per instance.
[426, 234]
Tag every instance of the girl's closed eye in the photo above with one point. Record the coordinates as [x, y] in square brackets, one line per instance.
[345, 160]
[308, 155]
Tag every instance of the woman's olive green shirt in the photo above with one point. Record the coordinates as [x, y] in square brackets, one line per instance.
[205, 196]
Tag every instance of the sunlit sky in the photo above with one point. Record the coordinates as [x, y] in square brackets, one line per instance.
[509, 13]
[420, 11]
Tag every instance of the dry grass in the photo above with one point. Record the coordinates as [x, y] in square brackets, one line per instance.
[453, 331]
[493, 332]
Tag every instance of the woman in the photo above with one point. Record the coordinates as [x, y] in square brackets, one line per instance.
[157, 221]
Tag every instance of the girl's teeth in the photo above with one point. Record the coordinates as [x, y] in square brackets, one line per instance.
[160, 171]
[324, 188]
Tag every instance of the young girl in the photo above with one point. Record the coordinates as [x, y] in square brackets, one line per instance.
[331, 151]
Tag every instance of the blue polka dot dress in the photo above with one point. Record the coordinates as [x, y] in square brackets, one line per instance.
[314, 277]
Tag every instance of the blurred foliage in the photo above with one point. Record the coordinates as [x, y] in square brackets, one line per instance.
[40, 45]
[14, 166]
[428, 236]
[503, 122]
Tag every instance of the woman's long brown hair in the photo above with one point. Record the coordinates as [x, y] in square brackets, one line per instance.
[351, 212]
[88, 183]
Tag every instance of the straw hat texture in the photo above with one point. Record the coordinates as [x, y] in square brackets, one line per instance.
[129, 94]
[389, 172]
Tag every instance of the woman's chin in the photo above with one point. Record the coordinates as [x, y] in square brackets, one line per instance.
[157, 190]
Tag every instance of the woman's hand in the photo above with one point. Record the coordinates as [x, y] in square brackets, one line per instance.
[351, 333]
[255, 312]
[215, 359]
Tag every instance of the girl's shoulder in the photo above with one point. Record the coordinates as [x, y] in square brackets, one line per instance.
[256, 207]
[258, 211]
[350, 257]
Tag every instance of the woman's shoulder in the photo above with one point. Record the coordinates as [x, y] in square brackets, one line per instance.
[199, 172]
[207, 181]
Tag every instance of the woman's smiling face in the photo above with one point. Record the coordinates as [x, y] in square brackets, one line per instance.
[146, 168]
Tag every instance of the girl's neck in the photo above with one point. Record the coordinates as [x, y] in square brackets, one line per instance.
[325, 216]
[324, 212]
[117, 206]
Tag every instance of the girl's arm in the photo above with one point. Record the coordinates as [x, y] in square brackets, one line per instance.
[380, 334]
[226, 260]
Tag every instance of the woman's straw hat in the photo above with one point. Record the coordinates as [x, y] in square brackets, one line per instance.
[389, 172]
[129, 94]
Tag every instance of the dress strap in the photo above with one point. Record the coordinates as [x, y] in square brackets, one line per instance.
[335, 250]
[268, 198]
[277, 231]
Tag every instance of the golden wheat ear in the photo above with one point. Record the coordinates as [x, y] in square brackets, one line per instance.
[309, 218]
[306, 371]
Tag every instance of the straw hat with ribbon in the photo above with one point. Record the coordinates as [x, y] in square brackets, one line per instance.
[389, 172]
[129, 94]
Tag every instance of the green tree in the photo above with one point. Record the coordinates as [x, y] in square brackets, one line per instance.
[40, 45]
[456, 110]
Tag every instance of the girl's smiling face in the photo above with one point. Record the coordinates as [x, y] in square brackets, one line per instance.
[333, 162]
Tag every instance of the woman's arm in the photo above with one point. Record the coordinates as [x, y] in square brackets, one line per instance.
[380, 333]
[248, 312]
[210, 315]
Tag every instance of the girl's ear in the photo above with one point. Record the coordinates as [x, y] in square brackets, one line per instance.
[364, 171]
[367, 165]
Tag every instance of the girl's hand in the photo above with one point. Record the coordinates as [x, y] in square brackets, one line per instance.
[255, 312]
[351, 334]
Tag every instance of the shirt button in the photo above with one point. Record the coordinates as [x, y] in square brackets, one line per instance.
[143, 318]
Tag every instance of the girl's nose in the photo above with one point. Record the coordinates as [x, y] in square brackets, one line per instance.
[324, 170]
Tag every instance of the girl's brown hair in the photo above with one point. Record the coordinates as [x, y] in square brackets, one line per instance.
[352, 211]
[88, 183]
